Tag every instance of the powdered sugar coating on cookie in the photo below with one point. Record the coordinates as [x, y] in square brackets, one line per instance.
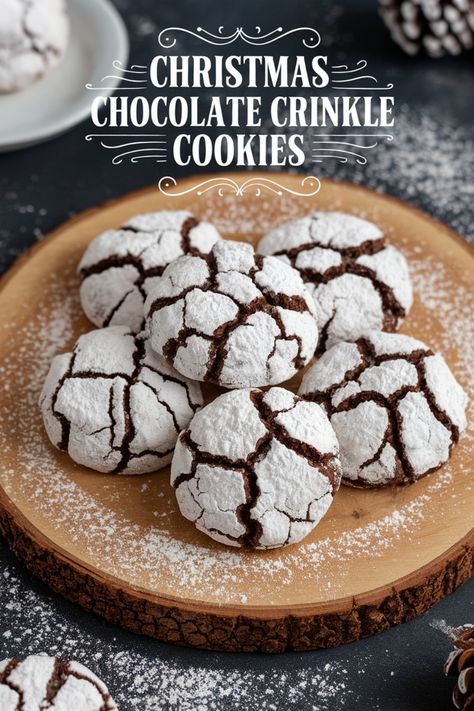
[233, 318]
[38, 682]
[33, 39]
[395, 406]
[358, 282]
[120, 267]
[114, 406]
[256, 469]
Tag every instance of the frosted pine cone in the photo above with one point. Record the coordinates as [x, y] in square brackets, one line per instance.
[436, 26]
[460, 663]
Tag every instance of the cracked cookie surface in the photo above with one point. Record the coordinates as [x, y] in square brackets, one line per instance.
[120, 267]
[33, 39]
[232, 317]
[114, 406]
[256, 469]
[40, 683]
[358, 282]
[395, 406]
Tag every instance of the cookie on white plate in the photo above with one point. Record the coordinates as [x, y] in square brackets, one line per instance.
[120, 266]
[39, 682]
[232, 317]
[395, 406]
[256, 469]
[33, 38]
[358, 281]
[114, 406]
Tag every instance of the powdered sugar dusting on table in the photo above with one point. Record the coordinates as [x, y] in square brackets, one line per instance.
[200, 571]
[138, 683]
[428, 164]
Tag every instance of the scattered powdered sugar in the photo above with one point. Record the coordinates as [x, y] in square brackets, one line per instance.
[152, 552]
[428, 163]
[140, 684]
[442, 626]
[452, 632]
[453, 315]
[33, 622]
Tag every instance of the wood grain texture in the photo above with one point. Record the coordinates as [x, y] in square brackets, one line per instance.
[345, 597]
[364, 616]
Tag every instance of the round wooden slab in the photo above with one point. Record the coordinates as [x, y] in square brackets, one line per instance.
[118, 546]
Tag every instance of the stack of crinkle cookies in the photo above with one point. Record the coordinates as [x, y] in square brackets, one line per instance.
[258, 466]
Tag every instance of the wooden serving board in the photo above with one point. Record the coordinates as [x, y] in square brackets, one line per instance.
[118, 546]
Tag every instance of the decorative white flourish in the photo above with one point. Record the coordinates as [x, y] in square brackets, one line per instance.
[139, 72]
[365, 88]
[320, 153]
[154, 148]
[388, 136]
[225, 185]
[89, 87]
[341, 159]
[344, 143]
[359, 67]
[167, 39]
[319, 157]
[134, 69]
[344, 69]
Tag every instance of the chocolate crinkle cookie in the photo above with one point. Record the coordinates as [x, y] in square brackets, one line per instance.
[395, 406]
[120, 266]
[33, 39]
[232, 317]
[39, 682]
[256, 469]
[112, 405]
[359, 282]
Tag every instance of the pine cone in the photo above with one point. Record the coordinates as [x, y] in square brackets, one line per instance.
[437, 26]
[460, 663]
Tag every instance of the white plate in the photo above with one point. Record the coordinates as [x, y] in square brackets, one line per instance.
[60, 100]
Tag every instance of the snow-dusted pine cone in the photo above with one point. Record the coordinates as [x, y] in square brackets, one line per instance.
[435, 26]
[460, 663]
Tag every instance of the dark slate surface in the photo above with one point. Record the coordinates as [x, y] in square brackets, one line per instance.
[42, 186]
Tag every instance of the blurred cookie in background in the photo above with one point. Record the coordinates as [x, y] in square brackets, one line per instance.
[33, 39]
